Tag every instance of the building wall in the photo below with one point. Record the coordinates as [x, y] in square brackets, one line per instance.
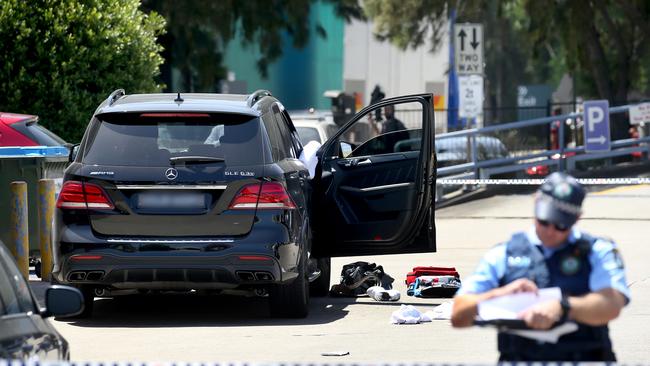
[300, 76]
[348, 59]
[369, 62]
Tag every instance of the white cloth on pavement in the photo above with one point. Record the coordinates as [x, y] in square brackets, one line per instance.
[407, 314]
[381, 294]
[441, 312]
[308, 156]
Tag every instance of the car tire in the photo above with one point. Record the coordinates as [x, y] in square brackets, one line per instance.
[321, 286]
[291, 300]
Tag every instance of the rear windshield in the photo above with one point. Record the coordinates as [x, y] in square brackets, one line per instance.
[41, 135]
[151, 139]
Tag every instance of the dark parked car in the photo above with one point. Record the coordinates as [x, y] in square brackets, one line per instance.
[25, 333]
[24, 130]
[206, 191]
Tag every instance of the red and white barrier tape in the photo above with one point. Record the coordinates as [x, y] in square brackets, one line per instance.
[536, 182]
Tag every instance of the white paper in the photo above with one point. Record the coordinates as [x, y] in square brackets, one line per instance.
[509, 306]
[548, 336]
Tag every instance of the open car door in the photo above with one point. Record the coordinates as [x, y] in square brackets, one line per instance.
[375, 182]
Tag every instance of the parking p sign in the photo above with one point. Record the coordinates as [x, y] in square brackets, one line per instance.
[596, 125]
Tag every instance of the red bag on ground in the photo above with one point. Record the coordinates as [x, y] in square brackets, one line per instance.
[430, 271]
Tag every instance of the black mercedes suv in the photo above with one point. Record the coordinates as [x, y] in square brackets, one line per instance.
[208, 192]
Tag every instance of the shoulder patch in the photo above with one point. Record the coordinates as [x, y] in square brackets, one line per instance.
[618, 259]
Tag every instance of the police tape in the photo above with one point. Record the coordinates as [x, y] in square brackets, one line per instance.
[535, 182]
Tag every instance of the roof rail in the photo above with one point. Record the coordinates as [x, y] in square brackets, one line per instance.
[115, 96]
[257, 95]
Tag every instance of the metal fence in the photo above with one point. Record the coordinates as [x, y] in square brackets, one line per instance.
[533, 148]
[491, 116]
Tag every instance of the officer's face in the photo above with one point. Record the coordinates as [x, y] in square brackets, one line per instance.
[550, 236]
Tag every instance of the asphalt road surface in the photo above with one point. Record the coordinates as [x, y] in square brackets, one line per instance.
[229, 328]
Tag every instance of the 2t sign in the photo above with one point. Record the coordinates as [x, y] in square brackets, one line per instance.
[596, 126]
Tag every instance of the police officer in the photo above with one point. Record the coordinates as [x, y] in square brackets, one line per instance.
[589, 270]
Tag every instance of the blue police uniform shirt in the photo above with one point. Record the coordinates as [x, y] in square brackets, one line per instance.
[607, 269]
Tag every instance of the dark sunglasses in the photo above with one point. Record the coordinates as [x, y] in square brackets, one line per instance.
[558, 227]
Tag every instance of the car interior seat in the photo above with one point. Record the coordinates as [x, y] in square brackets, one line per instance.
[205, 150]
[144, 149]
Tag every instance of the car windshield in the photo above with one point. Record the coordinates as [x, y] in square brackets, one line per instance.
[39, 134]
[307, 134]
[153, 139]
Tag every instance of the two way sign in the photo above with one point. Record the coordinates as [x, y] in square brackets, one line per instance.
[468, 41]
[596, 125]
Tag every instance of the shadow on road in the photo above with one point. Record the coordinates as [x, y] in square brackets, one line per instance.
[187, 310]
[191, 310]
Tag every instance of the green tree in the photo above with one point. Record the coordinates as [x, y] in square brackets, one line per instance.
[199, 30]
[60, 58]
[603, 42]
[408, 23]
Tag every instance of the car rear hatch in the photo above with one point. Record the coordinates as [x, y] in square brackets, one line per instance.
[171, 174]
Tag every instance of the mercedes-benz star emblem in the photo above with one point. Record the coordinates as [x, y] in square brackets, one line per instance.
[171, 173]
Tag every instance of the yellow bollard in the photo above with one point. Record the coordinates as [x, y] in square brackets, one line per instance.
[19, 228]
[45, 215]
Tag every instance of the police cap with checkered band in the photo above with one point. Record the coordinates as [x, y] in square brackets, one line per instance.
[559, 200]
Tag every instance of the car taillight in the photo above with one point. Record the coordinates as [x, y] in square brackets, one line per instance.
[272, 195]
[81, 196]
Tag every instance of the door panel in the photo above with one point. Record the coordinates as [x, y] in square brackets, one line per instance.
[375, 199]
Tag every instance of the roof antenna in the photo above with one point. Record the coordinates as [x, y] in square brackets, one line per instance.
[178, 98]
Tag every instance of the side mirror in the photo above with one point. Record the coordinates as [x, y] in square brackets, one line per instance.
[74, 150]
[345, 148]
[62, 301]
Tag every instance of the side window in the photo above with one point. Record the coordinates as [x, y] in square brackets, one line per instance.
[285, 133]
[295, 137]
[386, 130]
[277, 148]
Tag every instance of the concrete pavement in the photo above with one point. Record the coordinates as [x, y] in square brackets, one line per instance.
[226, 328]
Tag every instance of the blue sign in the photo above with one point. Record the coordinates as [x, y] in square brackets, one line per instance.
[596, 125]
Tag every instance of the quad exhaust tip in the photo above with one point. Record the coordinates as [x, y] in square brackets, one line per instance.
[80, 276]
[77, 276]
[94, 275]
[248, 276]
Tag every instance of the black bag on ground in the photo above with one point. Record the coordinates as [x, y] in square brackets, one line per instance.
[358, 277]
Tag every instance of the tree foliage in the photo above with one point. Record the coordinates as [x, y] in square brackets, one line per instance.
[60, 58]
[408, 22]
[602, 42]
[605, 39]
[198, 32]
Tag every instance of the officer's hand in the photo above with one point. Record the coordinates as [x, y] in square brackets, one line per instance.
[520, 285]
[542, 316]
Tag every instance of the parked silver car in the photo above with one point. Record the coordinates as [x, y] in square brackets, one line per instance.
[313, 125]
[454, 150]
